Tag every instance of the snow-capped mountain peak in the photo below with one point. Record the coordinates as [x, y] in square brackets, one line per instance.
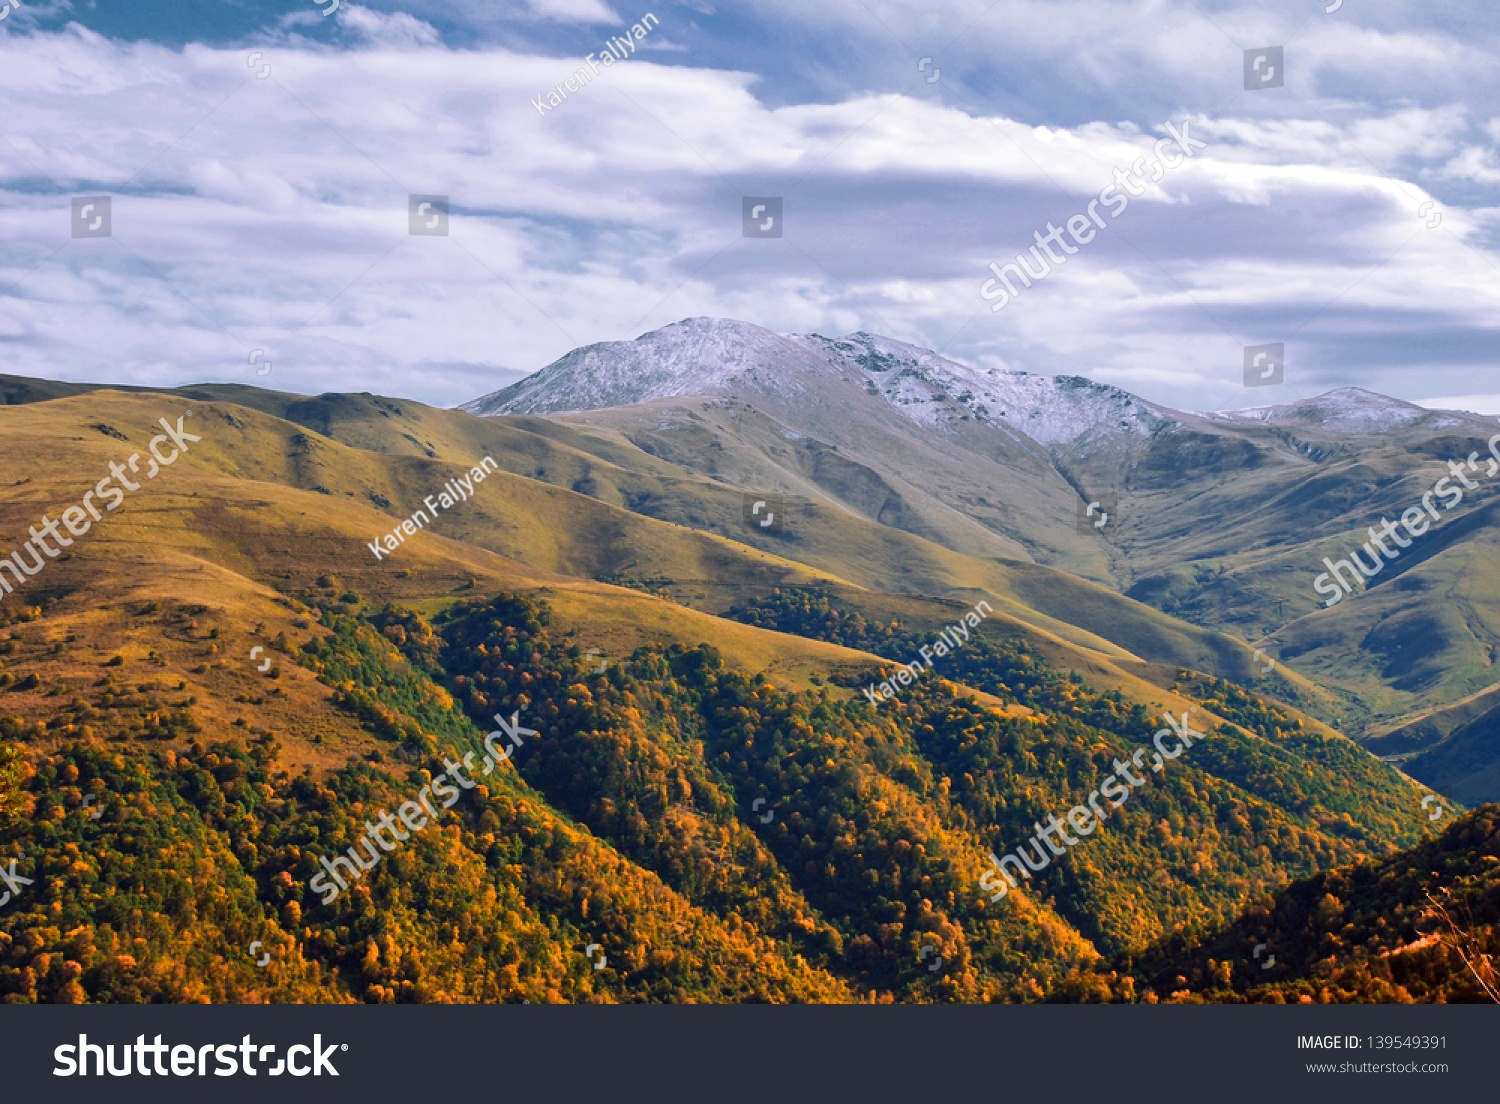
[697, 356]
[718, 357]
[927, 387]
[1347, 409]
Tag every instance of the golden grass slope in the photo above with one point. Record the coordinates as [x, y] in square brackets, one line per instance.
[261, 506]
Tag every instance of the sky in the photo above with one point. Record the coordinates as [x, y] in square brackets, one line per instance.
[259, 161]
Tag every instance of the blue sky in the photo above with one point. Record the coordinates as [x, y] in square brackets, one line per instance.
[1353, 213]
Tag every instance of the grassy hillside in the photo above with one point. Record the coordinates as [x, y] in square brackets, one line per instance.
[647, 524]
[1466, 764]
[1283, 494]
[1416, 639]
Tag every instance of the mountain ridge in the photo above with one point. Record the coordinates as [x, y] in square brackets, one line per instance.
[1219, 518]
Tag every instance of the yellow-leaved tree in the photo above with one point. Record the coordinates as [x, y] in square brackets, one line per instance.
[12, 774]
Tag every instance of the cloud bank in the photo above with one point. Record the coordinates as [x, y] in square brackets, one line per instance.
[260, 192]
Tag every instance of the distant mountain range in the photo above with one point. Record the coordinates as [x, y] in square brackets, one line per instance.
[1221, 519]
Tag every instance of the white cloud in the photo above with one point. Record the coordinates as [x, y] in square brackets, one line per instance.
[1488, 405]
[1481, 166]
[574, 11]
[397, 30]
[272, 214]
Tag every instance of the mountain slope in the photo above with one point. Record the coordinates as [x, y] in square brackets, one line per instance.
[132, 672]
[1418, 926]
[921, 442]
[697, 551]
[1220, 519]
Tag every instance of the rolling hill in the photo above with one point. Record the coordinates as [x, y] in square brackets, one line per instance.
[239, 682]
